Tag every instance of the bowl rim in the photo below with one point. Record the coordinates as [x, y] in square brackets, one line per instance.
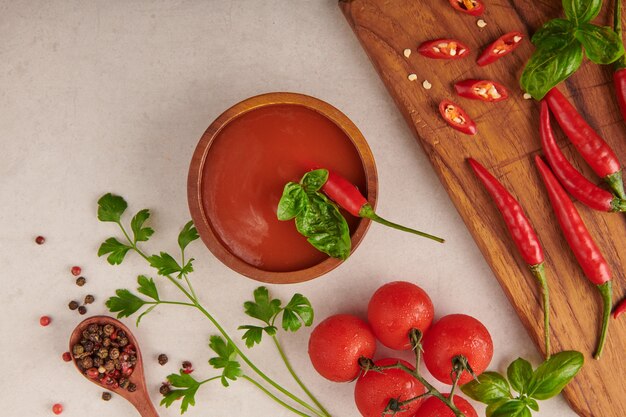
[194, 184]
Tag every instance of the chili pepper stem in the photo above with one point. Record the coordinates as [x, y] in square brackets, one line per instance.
[539, 271]
[617, 26]
[616, 183]
[606, 292]
[618, 205]
[368, 212]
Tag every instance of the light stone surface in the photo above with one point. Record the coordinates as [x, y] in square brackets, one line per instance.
[99, 96]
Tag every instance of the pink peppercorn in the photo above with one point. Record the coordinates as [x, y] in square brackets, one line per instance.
[44, 320]
[67, 356]
[57, 408]
[40, 240]
[76, 270]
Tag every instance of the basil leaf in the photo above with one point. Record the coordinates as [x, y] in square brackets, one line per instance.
[324, 226]
[519, 373]
[602, 44]
[491, 408]
[581, 11]
[554, 374]
[546, 68]
[512, 408]
[491, 387]
[554, 34]
[292, 202]
[314, 180]
[531, 403]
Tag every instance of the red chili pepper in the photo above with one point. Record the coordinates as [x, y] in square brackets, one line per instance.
[573, 181]
[594, 150]
[621, 308]
[443, 49]
[348, 197]
[456, 117]
[619, 76]
[502, 46]
[523, 234]
[484, 90]
[582, 244]
[472, 7]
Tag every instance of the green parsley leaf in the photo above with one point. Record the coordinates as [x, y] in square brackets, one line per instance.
[254, 334]
[188, 268]
[189, 386]
[116, 250]
[490, 387]
[147, 287]
[125, 304]
[297, 312]
[111, 207]
[141, 234]
[164, 263]
[187, 235]
[263, 307]
[226, 359]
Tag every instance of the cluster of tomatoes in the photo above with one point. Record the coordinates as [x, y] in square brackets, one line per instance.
[340, 344]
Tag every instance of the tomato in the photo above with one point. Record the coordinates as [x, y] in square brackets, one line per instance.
[434, 407]
[453, 335]
[373, 390]
[336, 345]
[395, 309]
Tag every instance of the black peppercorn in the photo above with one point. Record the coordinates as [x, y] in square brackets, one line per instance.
[108, 329]
[187, 365]
[124, 383]
[123, 341]
[165, 388]
[162, 359]
[88, 345]
[87, 362]
[73, 305]
[92, 328]
[97, 362]
[82, 310]
[77, 349]
[80, 281]
[106, 342]
[89, 299]
[109, 366]
[106, 396]
[103, 352]
[132, 387]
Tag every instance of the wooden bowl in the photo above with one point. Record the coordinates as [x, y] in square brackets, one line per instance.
[201, 174]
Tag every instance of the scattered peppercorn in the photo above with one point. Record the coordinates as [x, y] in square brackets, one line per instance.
[73, 305]
[80, 281]
[89, 299]
[44, 320]
[67, 356]
[82, 310]
[165, 388]
[40, 240]
[132, 387]
[76, 270]
[187, 367]
[162, 359]
[57, 408]
[106, 396]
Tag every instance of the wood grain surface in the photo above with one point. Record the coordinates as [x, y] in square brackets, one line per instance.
[507, 140]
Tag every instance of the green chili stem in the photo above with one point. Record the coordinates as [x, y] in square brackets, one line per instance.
[368, 212]
[606, 293]
[539, 272]
[295, 376]
[273, 397]
[616, 183]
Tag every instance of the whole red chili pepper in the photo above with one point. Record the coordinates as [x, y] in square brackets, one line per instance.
[348, 197]
[443, 49]
[472, 7]
[502, 46]
[456, 117]
[484, 90]
[594, 150]
[582, 244]
[619, 76]
[573, 181]
[523, 234]
[620, 309]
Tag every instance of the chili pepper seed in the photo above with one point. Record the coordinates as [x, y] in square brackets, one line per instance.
[162, 359]
[481, 23]
[76, 270]
[40, 240]
[527, 96]
[44, 321]
[82, 310]
[412, 77]
[106, 396]
[407, 52]
[427, 85]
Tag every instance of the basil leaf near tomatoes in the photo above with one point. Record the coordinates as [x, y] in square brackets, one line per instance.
[317, 218]
[543, 383]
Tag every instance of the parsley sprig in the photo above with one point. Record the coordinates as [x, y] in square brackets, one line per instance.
[231, 362]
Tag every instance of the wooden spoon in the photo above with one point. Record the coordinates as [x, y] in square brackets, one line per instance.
[139, 398]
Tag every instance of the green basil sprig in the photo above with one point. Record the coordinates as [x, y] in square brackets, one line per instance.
[560, 44]
[317, 218]
[543, 383]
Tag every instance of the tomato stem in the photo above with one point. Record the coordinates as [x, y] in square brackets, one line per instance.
[606, 293]
[539, 271]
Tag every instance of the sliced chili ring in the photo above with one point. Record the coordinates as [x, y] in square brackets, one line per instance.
[443, 49]
[473, 7]
[502, 46]
[484, 90]
[456, 117]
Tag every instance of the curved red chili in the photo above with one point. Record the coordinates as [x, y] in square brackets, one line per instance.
[523, 234]
[472, 7]
[443, 49]
[456, 117]
[619, 76]
[620, 309]
[484, 90]
[573, 181]
[585, 250]
[348, 197]
[502, 46]
[594, 150]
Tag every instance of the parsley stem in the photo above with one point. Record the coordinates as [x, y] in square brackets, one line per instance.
[295, 376]
[273, 397]
[179, 303]
[209, 379]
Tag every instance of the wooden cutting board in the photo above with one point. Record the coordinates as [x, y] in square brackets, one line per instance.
[507, 140]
